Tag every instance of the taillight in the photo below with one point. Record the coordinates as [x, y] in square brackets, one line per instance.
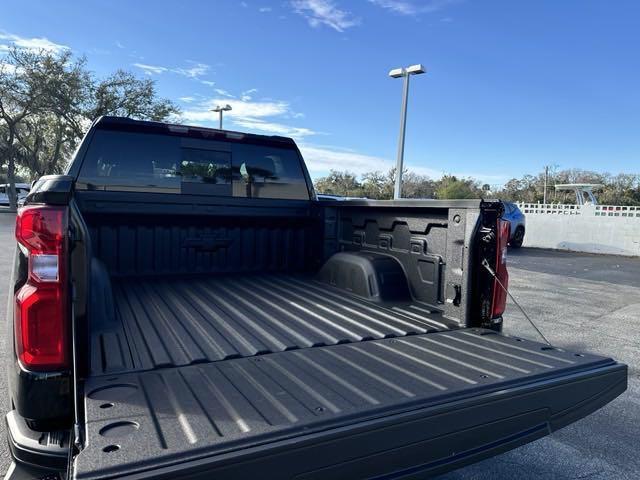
[41, 304]
[499, 302]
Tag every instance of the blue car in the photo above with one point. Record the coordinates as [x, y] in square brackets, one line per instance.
[518, 224]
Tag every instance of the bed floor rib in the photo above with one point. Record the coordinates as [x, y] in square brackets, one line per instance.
[169, 322]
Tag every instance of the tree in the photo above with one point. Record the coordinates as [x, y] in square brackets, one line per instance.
[417, 186]
[339, 183]
[22, 94]
[48, 137]
[449, 186]
[124, 95]
[621, 189]
[378, 185]
[47, 102]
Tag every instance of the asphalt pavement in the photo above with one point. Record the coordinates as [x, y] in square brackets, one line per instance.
[587, 303]
[581, 302]
[7, 221]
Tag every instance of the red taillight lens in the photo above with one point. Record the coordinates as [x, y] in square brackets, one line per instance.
[41, 229]
[499, 302]
[41, 336]
[41, 304]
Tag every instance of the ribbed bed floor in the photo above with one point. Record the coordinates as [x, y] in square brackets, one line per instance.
[158, 417]
[167, 322]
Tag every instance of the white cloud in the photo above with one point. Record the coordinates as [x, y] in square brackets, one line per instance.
[187, 99]
[263, 116]
[273, 128]
[324, 12]
[34, 43]
[321, 159]
[196, 70]
[258, 109]
[397, 6]
[413, 7]
[119, 45]
[265, 9]
[248, 94]
[222, 92]
[239, 109]
[150, 69]
[209, 83]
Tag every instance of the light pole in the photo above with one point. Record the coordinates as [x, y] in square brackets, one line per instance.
[406, 73]
[219, 109]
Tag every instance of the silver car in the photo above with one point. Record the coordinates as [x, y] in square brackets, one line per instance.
[22, 190]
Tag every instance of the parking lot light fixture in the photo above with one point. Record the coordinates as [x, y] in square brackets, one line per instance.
[403, 73]
[219, 109]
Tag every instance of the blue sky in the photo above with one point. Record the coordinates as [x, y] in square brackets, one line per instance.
[511, 85]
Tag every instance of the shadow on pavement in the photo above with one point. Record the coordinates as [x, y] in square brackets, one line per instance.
[614, 269]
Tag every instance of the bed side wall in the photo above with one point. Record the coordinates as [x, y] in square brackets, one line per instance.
[431, 244]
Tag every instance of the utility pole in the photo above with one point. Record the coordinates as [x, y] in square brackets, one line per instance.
[546, 176]
[219, 109]
[404, 73]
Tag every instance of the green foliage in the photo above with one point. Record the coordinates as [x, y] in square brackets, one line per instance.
[124, 95]
[378, 185]
[339, 183]
[451, 187]
[47, 102]
[418, 186]
[621, 189]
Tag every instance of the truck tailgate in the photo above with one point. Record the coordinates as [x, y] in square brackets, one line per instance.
[397, 407]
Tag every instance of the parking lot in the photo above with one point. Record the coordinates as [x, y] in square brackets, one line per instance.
[581, 302]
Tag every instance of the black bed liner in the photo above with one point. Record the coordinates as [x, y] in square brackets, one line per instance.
[205, 417]
[176, 321]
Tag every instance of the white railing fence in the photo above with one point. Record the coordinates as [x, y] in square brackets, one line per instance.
[610, 229]
[584, 210]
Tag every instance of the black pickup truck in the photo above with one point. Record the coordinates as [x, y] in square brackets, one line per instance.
[184, 307]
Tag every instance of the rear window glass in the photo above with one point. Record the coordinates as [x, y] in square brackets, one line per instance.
[267, 172]
[123, 161]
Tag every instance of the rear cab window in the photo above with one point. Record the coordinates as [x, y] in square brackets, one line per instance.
[150, 162]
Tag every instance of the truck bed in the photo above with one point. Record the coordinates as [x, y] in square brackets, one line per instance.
[394, 398]
[168, 321]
